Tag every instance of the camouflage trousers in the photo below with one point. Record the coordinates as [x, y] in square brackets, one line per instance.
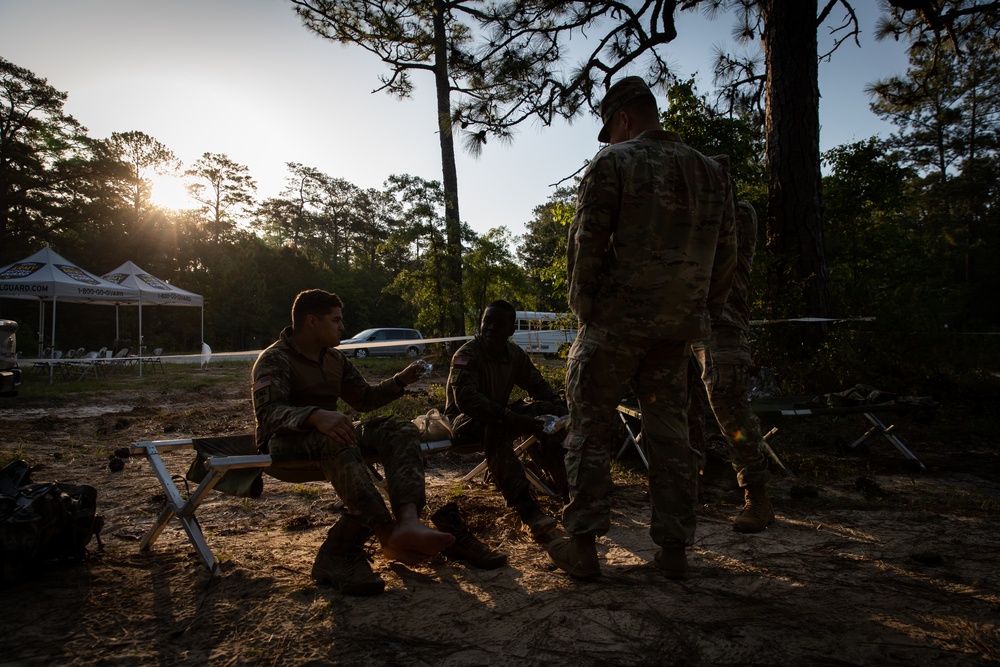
[394, 441]
[726, 387]
[602, 366]
[498, 445]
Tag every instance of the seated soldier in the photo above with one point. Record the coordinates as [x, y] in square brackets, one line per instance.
[484, 371]
[296, 384]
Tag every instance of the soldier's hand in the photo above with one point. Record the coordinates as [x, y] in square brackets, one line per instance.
[411, 373]
[559, 408]
[337, 425]
[524, 424]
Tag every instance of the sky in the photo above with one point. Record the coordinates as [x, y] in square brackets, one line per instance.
[245, 78]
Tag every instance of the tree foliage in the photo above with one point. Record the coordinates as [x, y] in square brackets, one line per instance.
[542, 251]
[947, 115]
[224, 189]
[38, 142]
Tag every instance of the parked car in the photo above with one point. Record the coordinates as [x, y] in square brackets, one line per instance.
[10, 374]
[409, 344]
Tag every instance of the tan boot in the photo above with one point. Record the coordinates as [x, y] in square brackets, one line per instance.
[576, 556]
[342, 561]
[467, 546]
[757, 513]
[532, 516]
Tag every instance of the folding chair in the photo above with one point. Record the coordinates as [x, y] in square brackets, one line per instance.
[154, 361]
[232, 465]
[773, 409]
[518, 450]
[629, 409]
[85, 365]
[119, 360]
[184, 510]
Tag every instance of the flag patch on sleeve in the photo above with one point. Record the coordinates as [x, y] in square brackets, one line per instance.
[460, 361]
[261, 392]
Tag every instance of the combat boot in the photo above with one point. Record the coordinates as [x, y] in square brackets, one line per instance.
[532, 516]
[672, 561]
[342, 562]
[467, 546]
[576, 556]
[757, 513]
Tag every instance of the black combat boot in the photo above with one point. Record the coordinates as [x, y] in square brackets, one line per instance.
[467, 546]
[672, 561]
[342, 561]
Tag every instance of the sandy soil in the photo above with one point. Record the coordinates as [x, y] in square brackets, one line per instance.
[868, 563]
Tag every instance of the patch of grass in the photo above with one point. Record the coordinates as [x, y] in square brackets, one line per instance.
[306, 492]
[10, 454]
[953, 500]
[184, 377]
[627, 474]
[456, 492]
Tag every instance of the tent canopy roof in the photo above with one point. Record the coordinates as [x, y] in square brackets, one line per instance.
[47, 276]
[152, 289]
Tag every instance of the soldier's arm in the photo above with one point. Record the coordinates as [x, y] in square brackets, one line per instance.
[724, 266]
[271, 387]
[463, 384]
[364, 397]
[589, 235]
[531, 380]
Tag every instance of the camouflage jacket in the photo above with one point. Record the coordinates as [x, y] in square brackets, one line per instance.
[651, 248]
[480, 385]
[287, 387]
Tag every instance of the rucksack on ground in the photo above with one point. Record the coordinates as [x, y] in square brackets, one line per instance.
[43, 523]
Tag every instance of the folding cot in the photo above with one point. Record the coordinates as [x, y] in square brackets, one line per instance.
[232, 465]
[771, 410]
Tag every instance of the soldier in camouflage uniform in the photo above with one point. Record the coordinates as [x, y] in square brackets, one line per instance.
[484, 371]
[651, 255]
[296, 384]
[723, 363]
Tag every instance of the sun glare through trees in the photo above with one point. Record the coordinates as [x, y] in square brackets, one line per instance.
[170, 192]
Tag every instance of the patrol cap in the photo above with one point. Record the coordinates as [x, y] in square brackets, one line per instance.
[618, 95]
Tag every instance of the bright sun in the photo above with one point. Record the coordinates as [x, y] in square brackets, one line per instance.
[169, 192]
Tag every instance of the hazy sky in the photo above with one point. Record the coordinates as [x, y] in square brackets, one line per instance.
[245, 78]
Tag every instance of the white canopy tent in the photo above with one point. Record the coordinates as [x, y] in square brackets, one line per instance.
[153, 291]
[47, 276]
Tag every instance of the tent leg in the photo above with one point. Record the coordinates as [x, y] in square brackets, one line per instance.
[140, 335]
[52, 341]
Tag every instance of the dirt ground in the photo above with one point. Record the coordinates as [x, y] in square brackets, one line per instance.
[868, 563]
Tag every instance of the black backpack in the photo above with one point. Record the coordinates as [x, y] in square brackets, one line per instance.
[41, 523]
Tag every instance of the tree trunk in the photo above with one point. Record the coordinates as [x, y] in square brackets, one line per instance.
[794, 214]
[452, 220]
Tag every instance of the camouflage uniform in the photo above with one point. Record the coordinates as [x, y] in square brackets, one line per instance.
[650, 256]
[723, 362]
[288, 387]
[478, 392]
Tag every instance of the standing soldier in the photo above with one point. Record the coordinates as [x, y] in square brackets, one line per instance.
[723, 361]
[650, 255]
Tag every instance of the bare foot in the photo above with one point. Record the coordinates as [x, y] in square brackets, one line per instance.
[403, 556]
[409, 541]
[415, 537]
